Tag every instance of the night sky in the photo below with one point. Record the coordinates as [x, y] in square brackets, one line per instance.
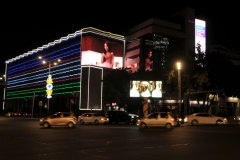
[31, 25]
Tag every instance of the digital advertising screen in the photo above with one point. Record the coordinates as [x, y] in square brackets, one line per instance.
[155, 49]
[145, 89]
[200, 36]
[102, 52]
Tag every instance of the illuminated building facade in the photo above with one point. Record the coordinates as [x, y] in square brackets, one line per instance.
[78, 78]
[26, 76]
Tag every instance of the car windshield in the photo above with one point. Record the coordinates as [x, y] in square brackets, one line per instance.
[174, 115]
[52, 116]
[153, 115]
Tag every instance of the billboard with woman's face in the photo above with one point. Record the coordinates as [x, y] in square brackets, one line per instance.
[102, 52]
[154, 52]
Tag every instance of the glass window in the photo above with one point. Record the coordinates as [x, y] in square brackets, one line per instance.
[59, 115]
[164, 115]
[151, 116]
[203, 115]
[66, 114]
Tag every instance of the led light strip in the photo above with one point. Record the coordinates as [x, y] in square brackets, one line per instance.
[77, 45]
[37, 75]
[38, 82]
[30, 96]
[43, 68]
[40, 79]
[42, 89]
[77, 33]
[39, 62]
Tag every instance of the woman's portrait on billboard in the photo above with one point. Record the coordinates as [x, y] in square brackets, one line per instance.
[148, 61]
[107, 59]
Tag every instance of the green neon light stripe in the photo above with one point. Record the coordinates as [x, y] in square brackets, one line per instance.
[58, 90]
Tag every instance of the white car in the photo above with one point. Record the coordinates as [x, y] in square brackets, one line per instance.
[237, 118]
[205, 118]
[158, 119]
[92, 118]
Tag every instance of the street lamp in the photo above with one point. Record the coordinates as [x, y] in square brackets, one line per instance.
[49, 80]
[179, 87]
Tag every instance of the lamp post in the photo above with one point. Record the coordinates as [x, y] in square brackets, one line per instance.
[179, 87]
[49, 80]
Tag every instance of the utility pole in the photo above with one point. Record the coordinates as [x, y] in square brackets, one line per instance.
[33, 102]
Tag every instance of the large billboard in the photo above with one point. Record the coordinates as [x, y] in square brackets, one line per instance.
[102, 52]
[200, 36]
[145, 89]
[155, 50]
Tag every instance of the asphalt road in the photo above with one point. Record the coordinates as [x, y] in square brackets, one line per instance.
[23, 138]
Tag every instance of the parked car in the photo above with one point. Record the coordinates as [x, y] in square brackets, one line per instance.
[26, 114]
[134, 118]
[8, 114]
[178, 120]
[92, 118]
[205, 118]
[59, 119]
[158, 119]
[16, 114]
[236, 118]
[121, 116]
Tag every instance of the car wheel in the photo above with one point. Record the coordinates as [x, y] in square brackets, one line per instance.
[168, 125]
[219, 122]
[46, 125]
[134, 121]
[194, 122]
[96, 122]
[143, 125]
[81, 121]
[70, 125]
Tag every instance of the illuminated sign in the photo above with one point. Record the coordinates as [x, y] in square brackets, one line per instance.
[146, 88]
[155, 49]
[102, 52]
[200, 36]
[49, 86]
